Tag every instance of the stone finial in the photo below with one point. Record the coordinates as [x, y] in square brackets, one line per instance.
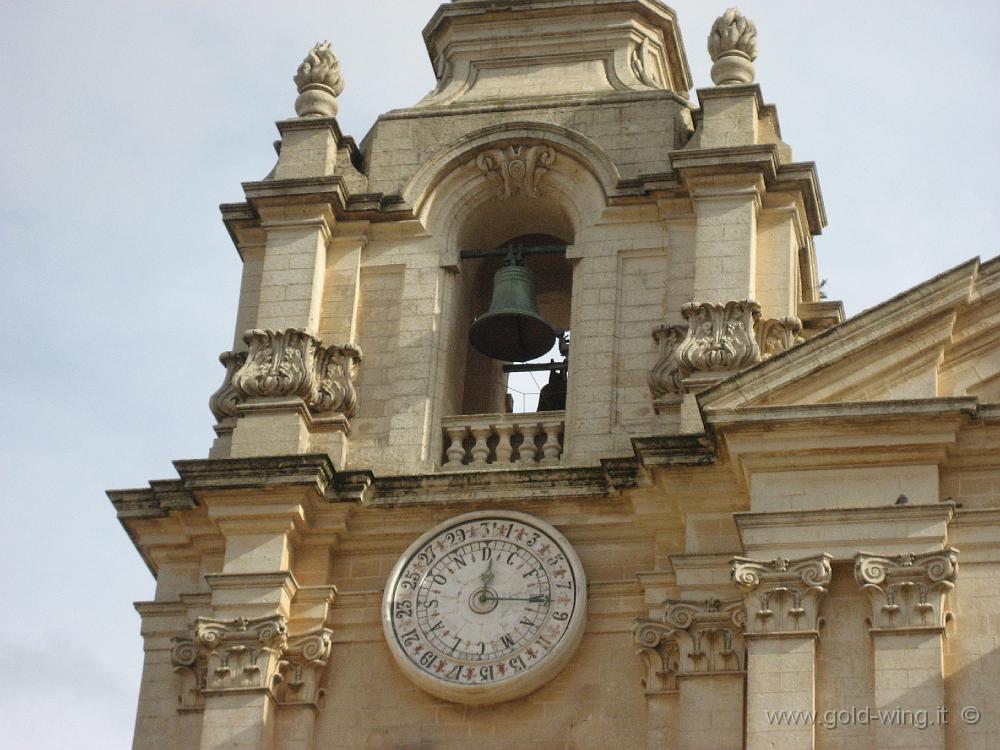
[732, 44]
[319, 83]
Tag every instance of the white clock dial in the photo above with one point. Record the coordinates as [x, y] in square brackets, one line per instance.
[486, 607]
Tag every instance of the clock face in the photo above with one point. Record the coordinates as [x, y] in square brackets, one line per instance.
[486, 607]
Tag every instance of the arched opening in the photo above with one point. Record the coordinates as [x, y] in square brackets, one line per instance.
[494, 386]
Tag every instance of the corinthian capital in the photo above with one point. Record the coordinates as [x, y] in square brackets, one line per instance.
[907, 591]
[302, 668]
[336, 367]
[782, 596]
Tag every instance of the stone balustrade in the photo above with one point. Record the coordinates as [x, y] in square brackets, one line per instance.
[494, 441]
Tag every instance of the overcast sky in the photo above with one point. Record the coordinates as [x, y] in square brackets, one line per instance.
[126, 124]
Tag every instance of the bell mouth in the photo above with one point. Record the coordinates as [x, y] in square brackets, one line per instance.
[512, 335]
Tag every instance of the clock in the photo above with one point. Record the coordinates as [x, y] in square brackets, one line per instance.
[486, 607]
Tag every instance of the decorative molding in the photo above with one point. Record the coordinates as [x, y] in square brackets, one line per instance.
[907, 591]
[783, 597]
[302, 667]
[224, 401]
[278, 364]
[241, 654]
[516, 169]
[717, 341]
[720, 338]
[319, 83]
[775, 335]
[666, 377]
[336, 367]
[732, 44]
[658, 647]
[692, 639]
[292, 364]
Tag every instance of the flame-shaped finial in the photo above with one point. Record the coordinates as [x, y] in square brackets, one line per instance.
[319, 83]
[732, 44]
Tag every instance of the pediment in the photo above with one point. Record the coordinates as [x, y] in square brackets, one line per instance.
[939, 339]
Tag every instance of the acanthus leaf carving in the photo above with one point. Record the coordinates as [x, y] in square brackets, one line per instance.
[717, 340]
[291, 364]
[278, 363]
[720, 338]
[226, 398]
[775, 335]
[783, 596]
[336, 367]
[516, 169]
[666, 377]
[907, 591]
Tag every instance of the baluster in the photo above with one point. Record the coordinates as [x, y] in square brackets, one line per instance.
[552, 449]
[456, 451]
[528, 451]
[504, 450]
[480, 451]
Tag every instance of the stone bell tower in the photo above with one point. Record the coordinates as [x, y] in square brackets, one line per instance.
[361, 440]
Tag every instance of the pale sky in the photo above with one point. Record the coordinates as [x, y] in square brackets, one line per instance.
[126, 124]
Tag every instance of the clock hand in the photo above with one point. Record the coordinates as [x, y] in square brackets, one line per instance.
[488, 575]
[536, 599]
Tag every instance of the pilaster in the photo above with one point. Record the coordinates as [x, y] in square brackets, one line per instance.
[696, 648]
[907, 594]
[782, 599]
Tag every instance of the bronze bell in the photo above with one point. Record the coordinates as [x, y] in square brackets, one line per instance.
[512, 330]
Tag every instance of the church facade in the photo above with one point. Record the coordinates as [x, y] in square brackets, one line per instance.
[736, 519]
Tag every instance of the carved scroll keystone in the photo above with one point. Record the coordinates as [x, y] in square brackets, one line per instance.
[782, 597]
[907, 592]
[692, 639]
[516, 169]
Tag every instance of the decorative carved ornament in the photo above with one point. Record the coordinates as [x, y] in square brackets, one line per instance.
[732, 45]
[693, 638]
[516, 169]
[319, 83]
[907, 591]
[782, 597]
[224, 401]
[718, 339]
[250, 654]
[289, 364]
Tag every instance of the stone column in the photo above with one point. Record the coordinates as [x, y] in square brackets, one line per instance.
[782, 599]
[907, 595]
[707, 638]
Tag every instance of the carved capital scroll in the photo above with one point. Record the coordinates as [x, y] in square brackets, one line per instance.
[302, 667]
[243, 653]
[691, 639]
[516, 169]
[907, 592]
[224, 401]
[775, 335]
[782, 597]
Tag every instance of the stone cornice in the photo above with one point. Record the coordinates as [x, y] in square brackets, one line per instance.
[910, 410]
[838, 344]
[674, 450]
